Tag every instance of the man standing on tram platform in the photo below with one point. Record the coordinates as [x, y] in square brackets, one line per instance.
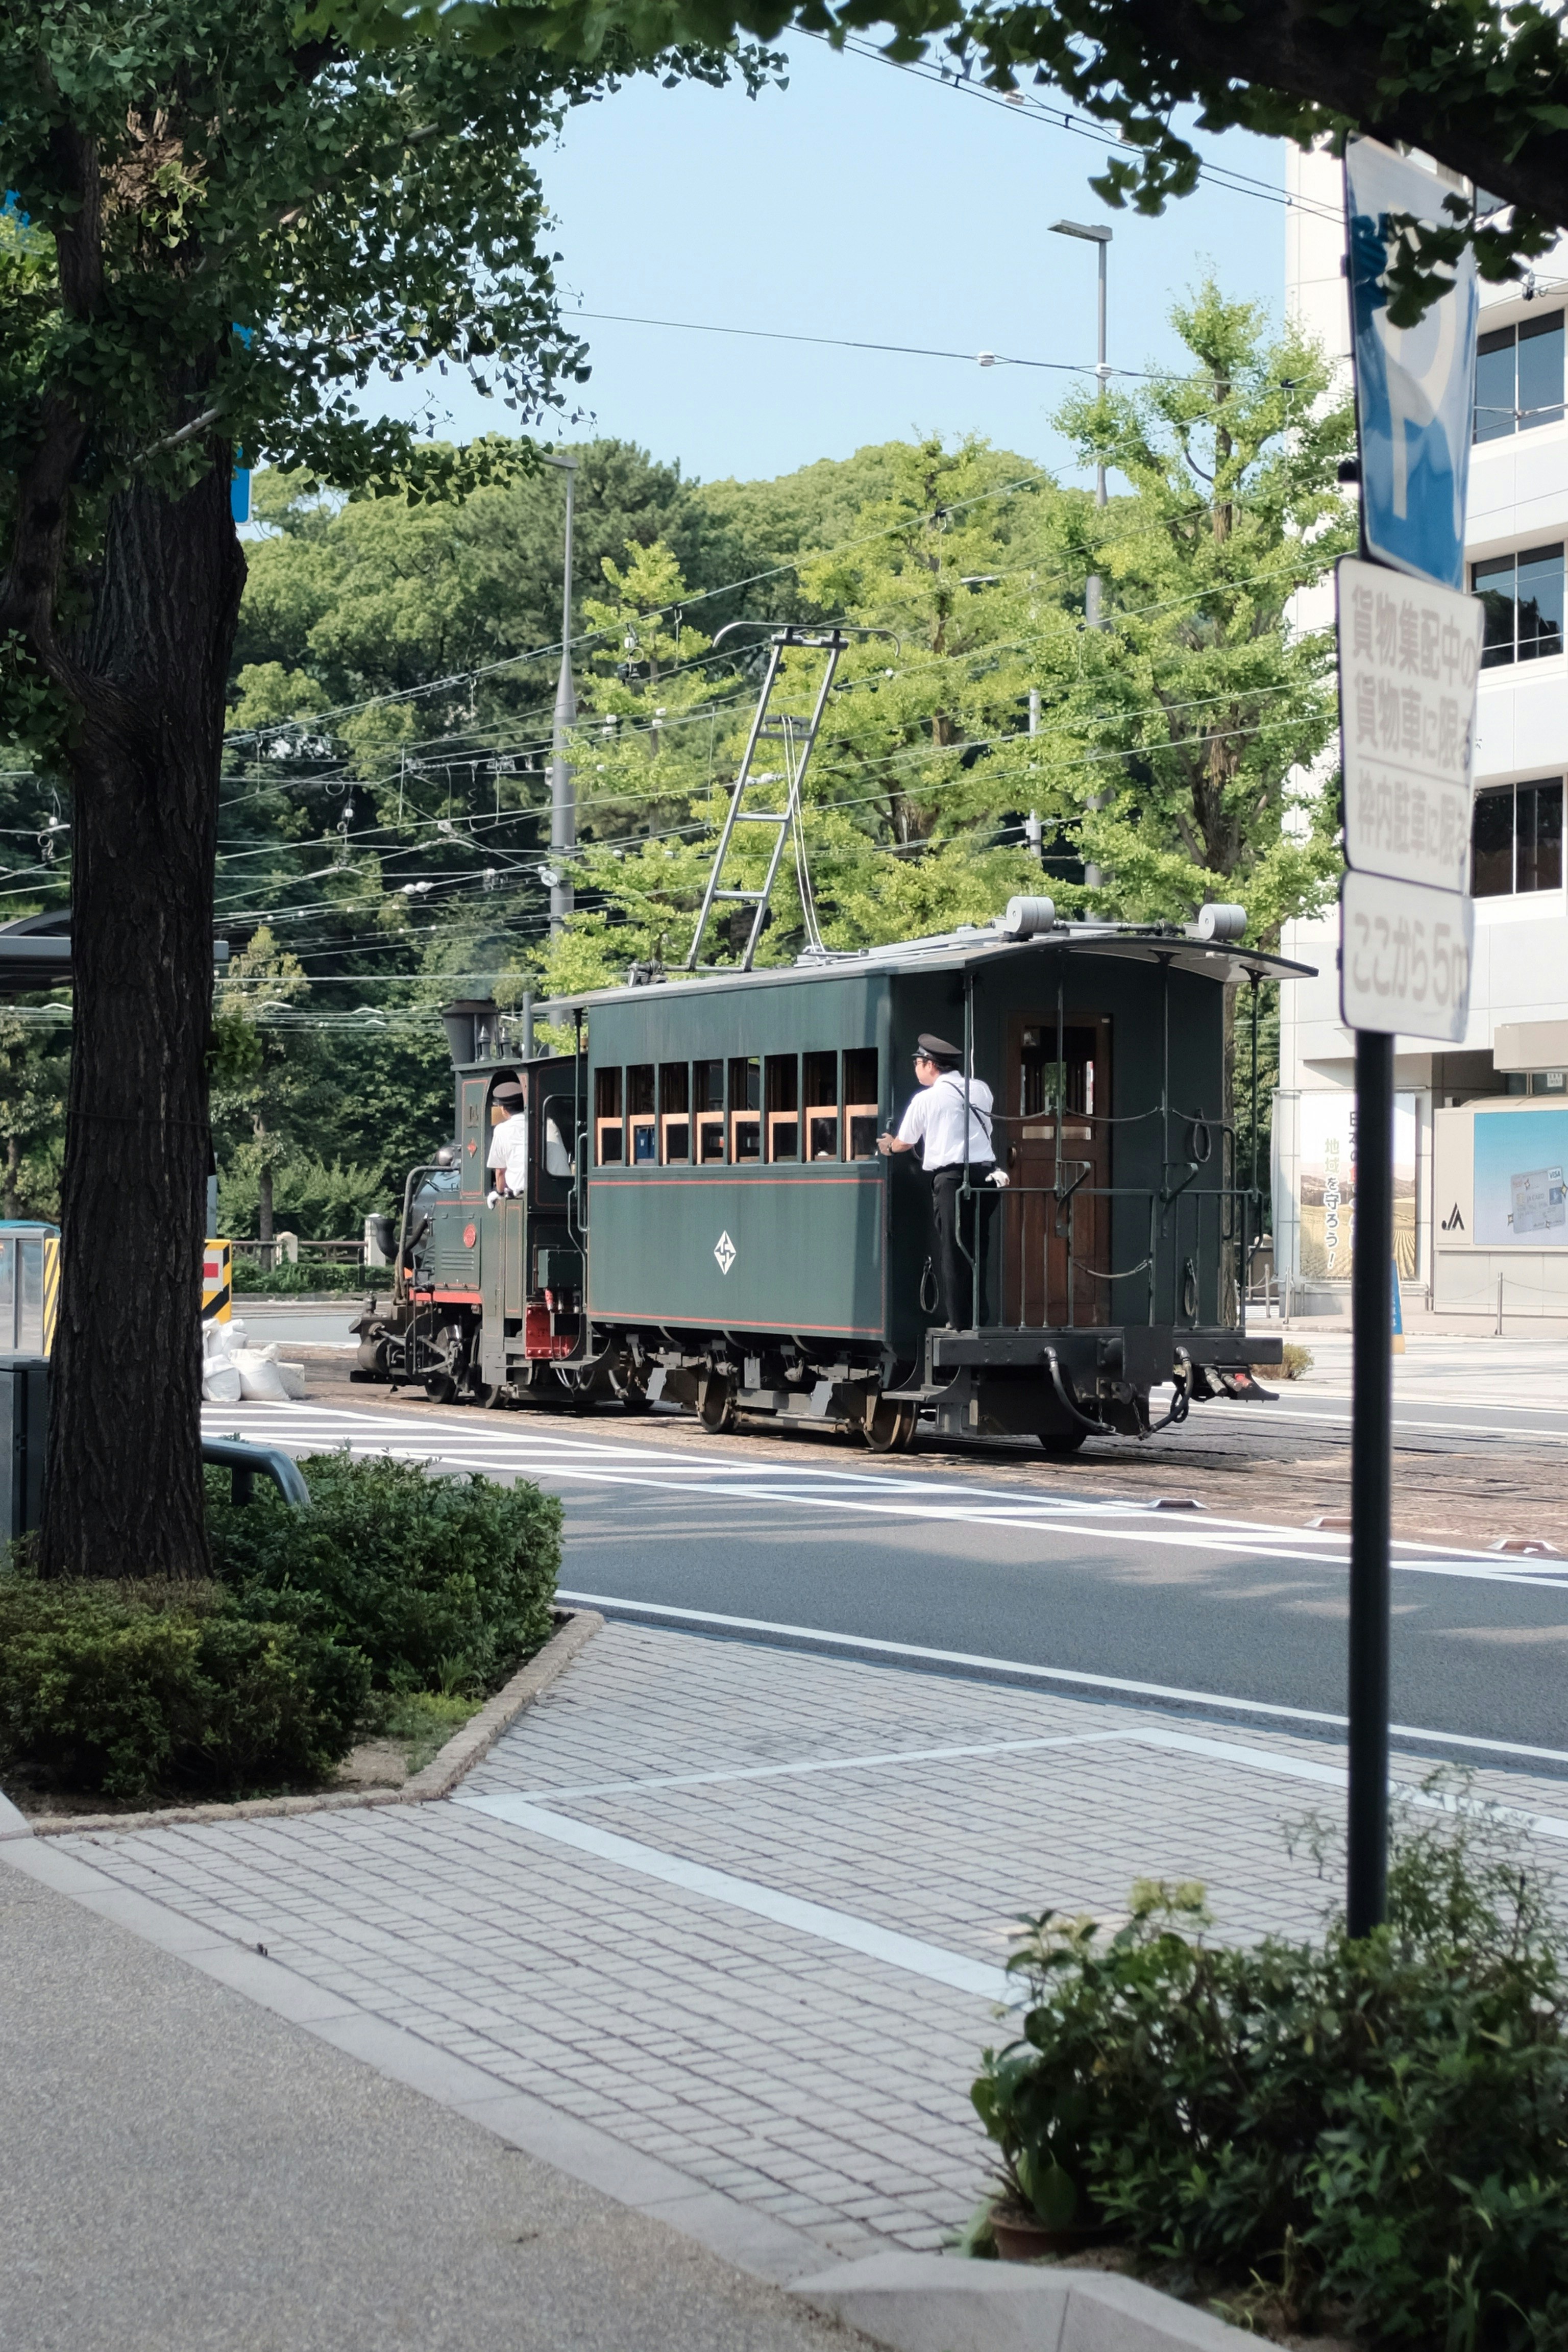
[935, 1121]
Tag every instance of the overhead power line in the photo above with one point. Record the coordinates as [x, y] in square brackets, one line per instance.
[853, 343]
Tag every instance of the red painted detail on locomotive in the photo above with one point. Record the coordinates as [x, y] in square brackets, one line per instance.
[450, 1297]
[470, 1236]
[539, 1339]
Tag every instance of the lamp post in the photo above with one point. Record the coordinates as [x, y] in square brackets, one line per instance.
[1101, 237]
[563, 793]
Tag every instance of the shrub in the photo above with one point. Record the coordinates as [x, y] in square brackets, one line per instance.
[445, 1583]
[1373, 2134]
[137, 1691]
[309, 1278]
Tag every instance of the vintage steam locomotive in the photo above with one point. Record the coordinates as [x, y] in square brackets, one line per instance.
[707, 1218]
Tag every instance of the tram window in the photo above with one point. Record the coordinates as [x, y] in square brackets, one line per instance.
[609, 1135]
[860, 1102]
[783, 1095]
[675, 1109]
[822, 1105]
[642, 1126]
[708, 1091]
[745, 1110]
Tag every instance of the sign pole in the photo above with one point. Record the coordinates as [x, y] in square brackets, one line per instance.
[1371, 1433]
[1409, 653]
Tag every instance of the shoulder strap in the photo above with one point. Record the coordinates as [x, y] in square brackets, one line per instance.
[956, 1077]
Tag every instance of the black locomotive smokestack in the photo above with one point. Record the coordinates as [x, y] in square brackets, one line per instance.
[473, 1026]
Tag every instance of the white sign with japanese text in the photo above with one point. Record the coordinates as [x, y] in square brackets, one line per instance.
[1404, 958]
[1409, 661]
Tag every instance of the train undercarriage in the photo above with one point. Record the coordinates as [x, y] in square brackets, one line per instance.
[1061, 1387]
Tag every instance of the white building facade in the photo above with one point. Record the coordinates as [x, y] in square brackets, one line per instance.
[1481, 1130]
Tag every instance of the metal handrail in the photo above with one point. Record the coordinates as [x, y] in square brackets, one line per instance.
[1174, 1233]
[245, 1460]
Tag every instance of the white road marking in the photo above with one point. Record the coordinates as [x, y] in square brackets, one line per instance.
[818, 1764]
[841, 1927]
[1179, 1743]
[879, 1496]
[1080, 1679]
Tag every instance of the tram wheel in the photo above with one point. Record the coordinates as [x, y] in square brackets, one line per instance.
[717, 1409]
[889, 1428]
[1062, 1441]
[441, 1387]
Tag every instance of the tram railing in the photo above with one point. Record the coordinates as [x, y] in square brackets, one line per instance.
[1072, 1254]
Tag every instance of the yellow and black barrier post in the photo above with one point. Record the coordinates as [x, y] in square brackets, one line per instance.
[217, 1284]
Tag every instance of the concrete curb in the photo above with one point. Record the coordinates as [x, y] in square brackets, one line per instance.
[575, 1630]
[934, 2303]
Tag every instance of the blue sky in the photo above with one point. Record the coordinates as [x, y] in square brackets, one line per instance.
[867, 203]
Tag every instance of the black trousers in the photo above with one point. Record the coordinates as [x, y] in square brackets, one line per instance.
[954, 1271]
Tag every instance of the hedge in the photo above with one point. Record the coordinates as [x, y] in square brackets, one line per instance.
[445, 1583]
[317, 1623]
[137, 1691]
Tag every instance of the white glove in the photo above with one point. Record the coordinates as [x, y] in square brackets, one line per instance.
[491, 1199]
[999, 1177]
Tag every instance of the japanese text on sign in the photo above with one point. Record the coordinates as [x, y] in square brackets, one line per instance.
[1409, 660]
[1404, 958]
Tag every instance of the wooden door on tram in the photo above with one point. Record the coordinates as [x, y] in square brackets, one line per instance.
[1055, 1248]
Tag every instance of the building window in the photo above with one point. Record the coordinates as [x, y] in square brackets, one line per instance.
[1516, 839]
[1519, 377]
[1523, 599]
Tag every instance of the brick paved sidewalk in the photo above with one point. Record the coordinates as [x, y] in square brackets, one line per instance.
[745, 1909]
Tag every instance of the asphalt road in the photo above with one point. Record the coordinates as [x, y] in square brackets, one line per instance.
[989, 1566]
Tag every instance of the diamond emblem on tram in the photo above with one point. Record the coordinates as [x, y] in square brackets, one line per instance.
[724, 1251]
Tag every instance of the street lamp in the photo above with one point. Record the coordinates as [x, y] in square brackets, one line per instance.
[1101, 237]
[563, 795]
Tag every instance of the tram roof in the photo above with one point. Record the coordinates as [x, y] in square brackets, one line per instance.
[971, 946]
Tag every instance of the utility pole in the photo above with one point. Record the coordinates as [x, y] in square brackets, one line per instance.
[1034, 832]
[1101, 237]
[562, 792]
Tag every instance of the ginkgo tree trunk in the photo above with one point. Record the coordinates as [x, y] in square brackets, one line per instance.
[219, 227]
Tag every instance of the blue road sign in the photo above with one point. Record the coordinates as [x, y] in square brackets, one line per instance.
[1414, 386]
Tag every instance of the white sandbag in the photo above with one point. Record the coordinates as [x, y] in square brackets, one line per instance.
[270, 1353]
[293, 1378]
[259, 1382]
[220, 1381]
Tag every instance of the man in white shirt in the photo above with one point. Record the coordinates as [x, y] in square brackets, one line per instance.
[935, 1121]
[508, 1140]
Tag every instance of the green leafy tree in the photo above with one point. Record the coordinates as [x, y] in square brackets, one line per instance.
[1480, 84]
[233, 222]
[34, 1063]
[268, 1094]
[1183, 731]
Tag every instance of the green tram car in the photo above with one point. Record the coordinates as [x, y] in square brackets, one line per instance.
[708, 1219]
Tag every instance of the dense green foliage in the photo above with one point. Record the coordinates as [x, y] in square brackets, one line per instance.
[324, 1623]
[1480, 84]
[441, 1583]
[1371, 2136]
[138, 1692]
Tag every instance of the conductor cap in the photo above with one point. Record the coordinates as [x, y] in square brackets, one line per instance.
[937, 1049]
[507, 1091]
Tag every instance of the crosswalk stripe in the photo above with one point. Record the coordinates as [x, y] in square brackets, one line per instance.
[304, 1428]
